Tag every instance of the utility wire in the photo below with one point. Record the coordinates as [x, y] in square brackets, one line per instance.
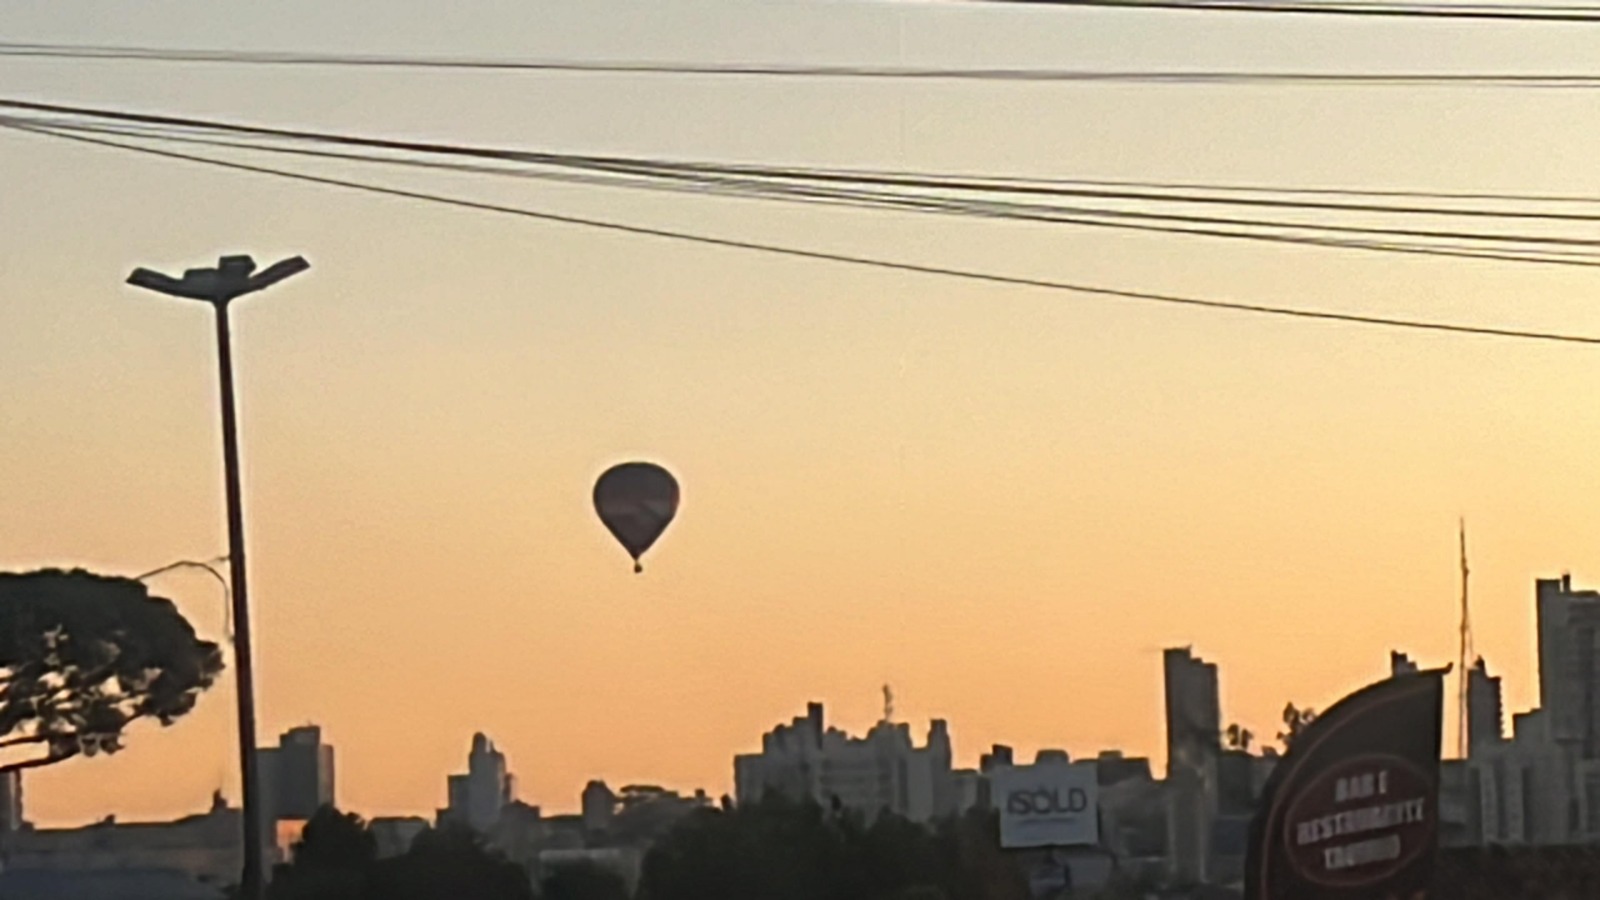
[1008, 184]
[1481, 12]
[1546, 250]
[913, 180]
[1580, 80]
[849, 259]
[1244, 229]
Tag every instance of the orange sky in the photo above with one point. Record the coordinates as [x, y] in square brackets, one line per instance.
[1001, 501]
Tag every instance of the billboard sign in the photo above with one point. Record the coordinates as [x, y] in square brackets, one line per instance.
[1050, 805]
[1352, 810]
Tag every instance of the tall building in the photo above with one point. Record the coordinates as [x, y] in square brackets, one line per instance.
[1485, 710]
[1526, 787]
[599, 807]
[999, 757]
[10, 802]
[297, 775]
[1569, 664]
[1194, 711]
[1194, 743]
[881, 771]
[477, 797]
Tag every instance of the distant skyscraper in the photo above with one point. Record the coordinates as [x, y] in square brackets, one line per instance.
[297, 775]
[881, 771]
[1569, 664]
[999, 757]
[1194, 711]
[10, 802]
[1485, 712]
[1194, 743]
[1401, 664]
[599, 806]
[477, 797]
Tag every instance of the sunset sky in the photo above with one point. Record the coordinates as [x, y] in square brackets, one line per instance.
[1001, 501]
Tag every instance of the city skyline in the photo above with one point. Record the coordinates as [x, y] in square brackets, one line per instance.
[476, 797]
[970, 758]
[1004, 502]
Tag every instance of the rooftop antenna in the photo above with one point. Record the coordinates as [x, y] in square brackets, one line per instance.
[888, 703]
[1463, 677]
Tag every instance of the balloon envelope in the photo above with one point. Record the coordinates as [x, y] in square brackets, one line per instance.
[636, 501]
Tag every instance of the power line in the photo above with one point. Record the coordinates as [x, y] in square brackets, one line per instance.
[1006, 184]
[1547, 250]
[697, 178]
[849, 259]
[1468, 11]
[1009, 182]
[1547, 80]
[913, 180]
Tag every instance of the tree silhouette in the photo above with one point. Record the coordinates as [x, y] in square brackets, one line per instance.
[450, 863]
[335, 859]
[583, 882]
[331, 861]
[335, 840]
[1239, 737]
[84, 655]
[1295, 721]
[779, 849]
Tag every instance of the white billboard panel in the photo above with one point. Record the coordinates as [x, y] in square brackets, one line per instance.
[1050, 805]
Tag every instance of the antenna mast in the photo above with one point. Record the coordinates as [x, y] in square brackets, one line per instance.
[888, 703]
[1462, 675]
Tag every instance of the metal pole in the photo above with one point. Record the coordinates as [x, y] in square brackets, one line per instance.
[251, 882]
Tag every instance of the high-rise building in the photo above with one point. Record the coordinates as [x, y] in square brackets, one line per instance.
[477, 797]
[1527, 787]
[1194, 711]
[599, 807]
[1485, 710]
[1401, 664]
[10, 802]
[1194, 743]
[297, 775]
[1569, 664]
[881, 771]
[999, 757]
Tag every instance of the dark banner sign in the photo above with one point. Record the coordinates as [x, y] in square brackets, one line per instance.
[1352, 810]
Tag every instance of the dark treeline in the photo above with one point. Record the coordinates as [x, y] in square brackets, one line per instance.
[337, 859]
[774, 850]
[1517, 873]
[779, 850]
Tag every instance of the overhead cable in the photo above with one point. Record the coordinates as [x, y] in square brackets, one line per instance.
[1497, 247]
[1059, 188]
[1494, 12]
[703, 178]
[1558, 80]
[844, 258]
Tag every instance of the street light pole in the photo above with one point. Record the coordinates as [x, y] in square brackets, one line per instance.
[251, 880]
[231, 279]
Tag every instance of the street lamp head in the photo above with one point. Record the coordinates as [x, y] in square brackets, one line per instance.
[239, 265]
[152, 280]
[278, 271]
[232, 277]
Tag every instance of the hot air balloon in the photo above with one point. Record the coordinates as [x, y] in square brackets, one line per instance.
[636, 501]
